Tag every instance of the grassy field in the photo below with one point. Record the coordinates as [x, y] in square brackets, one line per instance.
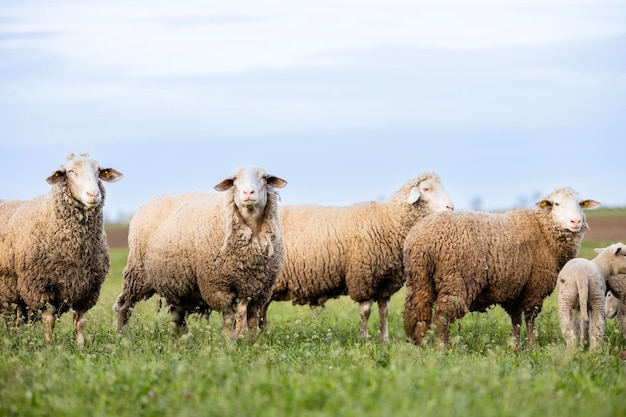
[305, 364]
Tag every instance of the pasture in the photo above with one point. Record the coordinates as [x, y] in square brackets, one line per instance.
[306, 364]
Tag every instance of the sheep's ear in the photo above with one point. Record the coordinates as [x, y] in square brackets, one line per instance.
[55, 177]
[414, 195]
[589, 204]
[110, 175]
[275, 181]
[544, 204]
[618, 250]
[225, 185]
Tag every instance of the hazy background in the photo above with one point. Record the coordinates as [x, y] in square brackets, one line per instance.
[346, 100]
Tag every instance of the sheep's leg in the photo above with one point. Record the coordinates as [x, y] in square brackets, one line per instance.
[516, 324]
[441, 323]
[179, 317]
[79, 325]
[530, 324]
[48, 318]
[253, 321]
[417, 313]
[366, 309]
[383, 314]
[263, 315]
[241, 317]
[229, 320]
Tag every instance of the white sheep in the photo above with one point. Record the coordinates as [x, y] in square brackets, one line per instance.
[209, 251]
[582, 287]
[461, 262]
[616, 300]
[354, 250]
[53, 250]
[611, 305]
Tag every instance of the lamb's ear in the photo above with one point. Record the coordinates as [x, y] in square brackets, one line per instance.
[618, 250]
[56, 176]
[414, 195]
[225, 185]
[275, 181]
[599, 250]
[110, 175]
[589, 204]
[544, 204]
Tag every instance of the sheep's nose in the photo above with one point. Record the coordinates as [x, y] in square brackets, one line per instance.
[249, 193]
[93, 193]
[576, 223]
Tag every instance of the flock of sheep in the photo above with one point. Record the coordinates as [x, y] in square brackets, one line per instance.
[236, 251]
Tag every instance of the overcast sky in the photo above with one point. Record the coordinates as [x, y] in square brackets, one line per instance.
[346, 100]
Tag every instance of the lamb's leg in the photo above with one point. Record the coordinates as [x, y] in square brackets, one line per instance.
[581, 327]
[79, 325]
[48, 318]
[241, 317]
[621, 319]
[598, 325]
[383, 314]
[568, 328]
[365, 308]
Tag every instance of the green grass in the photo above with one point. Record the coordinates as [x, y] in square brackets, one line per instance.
[606, 212]
[306, 364]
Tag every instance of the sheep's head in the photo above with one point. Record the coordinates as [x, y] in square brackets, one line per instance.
[430, 191]
[567, 208]
[82, 175]
[615, 257]
[611, 305]
[250, 185]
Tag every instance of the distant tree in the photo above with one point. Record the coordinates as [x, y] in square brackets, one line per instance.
[477, 203]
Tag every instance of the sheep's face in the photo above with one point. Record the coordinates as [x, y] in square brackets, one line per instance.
[611, 305]
[82, 176]
[567, 208]
[431, 193]
[250, 185]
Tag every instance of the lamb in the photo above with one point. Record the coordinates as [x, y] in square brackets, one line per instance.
[53, 249]
[616, 300]
[354, 250]
[582, 287]
[462, 262]
[611, 305]
[209, 251]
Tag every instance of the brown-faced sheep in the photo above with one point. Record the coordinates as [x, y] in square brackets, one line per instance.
[53, 250]
[462, 262]
[213, 251]
[354, 250]
[582, 287]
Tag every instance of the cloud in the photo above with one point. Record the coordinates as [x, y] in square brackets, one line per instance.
[165, 39]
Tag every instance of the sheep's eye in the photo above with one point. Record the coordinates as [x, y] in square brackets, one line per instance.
[556, 204]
